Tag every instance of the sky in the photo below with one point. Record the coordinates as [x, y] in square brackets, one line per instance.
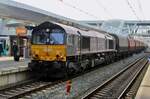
[95, 9]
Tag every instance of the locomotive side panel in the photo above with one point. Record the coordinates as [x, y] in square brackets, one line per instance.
[93, 45]
[101, 44]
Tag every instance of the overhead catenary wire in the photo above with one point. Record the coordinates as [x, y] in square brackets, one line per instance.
[132, 9]
[78, 9]
[104, 8]
[141, 9]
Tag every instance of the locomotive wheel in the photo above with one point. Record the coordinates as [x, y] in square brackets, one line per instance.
[69, 69]
[72, 68]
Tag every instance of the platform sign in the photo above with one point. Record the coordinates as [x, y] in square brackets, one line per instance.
[21, 31]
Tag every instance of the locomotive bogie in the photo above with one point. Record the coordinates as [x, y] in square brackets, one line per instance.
[53, 69]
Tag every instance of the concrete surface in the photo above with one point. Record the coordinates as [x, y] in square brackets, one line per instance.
[144, 90]
[12, 72]
[13, 75]
[7, 62]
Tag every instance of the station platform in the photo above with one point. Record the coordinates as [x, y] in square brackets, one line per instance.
[12, 72]
[144, 89]
[8, 62]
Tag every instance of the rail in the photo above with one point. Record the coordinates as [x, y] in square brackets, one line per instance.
[116, 86]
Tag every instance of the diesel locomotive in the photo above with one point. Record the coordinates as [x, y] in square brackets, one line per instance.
[58, 50]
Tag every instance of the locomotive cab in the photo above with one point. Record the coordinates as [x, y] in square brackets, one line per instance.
[48, 50]
[48, 45]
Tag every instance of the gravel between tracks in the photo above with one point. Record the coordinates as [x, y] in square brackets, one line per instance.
[84, 83]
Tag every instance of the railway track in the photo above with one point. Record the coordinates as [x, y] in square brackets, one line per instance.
[134, 86]
[117, 86]
[31, 87]
[18, 91]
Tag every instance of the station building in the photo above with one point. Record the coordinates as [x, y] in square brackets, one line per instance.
[14, 31]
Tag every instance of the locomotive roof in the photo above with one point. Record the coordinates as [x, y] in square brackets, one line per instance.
[70, 29]
[73, 30]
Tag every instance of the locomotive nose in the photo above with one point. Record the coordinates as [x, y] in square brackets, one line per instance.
[49, 52]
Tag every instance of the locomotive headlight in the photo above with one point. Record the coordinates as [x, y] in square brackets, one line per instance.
[59, 56]
[35, 54]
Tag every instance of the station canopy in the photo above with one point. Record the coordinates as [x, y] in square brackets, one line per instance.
[31, 16]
